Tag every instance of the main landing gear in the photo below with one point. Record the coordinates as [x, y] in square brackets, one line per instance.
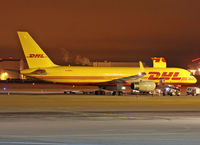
[113, 89]
[118, 93]
[114, 93]
[100, 92]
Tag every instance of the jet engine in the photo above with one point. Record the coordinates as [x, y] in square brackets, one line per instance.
[143, 86]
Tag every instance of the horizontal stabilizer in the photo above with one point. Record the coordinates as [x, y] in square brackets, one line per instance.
[34, 71]
[13, 70]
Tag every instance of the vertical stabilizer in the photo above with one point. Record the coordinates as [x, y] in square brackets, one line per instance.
[35, 56]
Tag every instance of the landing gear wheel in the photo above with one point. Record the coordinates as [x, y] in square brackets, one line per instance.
[99, 92]
[119, 93]
[114, 93]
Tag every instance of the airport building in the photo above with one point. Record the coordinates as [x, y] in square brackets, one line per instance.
[9, 68]
[194, 67]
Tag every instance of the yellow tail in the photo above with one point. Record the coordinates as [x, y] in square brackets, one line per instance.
[35, 56]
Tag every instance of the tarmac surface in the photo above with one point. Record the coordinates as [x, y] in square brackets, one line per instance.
[99, 120]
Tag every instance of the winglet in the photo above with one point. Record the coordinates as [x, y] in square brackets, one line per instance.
[141, 71]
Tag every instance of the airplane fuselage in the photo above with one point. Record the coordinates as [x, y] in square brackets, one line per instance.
[95, 75]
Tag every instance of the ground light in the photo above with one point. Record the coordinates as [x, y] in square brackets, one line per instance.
[4, 76]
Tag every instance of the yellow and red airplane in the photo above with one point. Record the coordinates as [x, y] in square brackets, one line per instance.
[111, 78]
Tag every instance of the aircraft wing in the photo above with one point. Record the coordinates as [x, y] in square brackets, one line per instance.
[129, 79]
[133, 78]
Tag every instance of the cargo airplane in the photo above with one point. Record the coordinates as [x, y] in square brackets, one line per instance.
[108, 78]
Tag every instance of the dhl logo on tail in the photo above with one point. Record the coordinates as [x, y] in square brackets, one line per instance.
[158, 59]
[36, 56]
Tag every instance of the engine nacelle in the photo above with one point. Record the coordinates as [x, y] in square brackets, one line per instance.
[144, 86]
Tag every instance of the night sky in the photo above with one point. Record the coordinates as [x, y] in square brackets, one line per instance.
[113, 30]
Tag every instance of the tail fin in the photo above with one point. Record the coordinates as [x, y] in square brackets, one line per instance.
[35, 56]
[159, 62]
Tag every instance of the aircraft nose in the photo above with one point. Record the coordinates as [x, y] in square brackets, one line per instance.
[194, 80]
